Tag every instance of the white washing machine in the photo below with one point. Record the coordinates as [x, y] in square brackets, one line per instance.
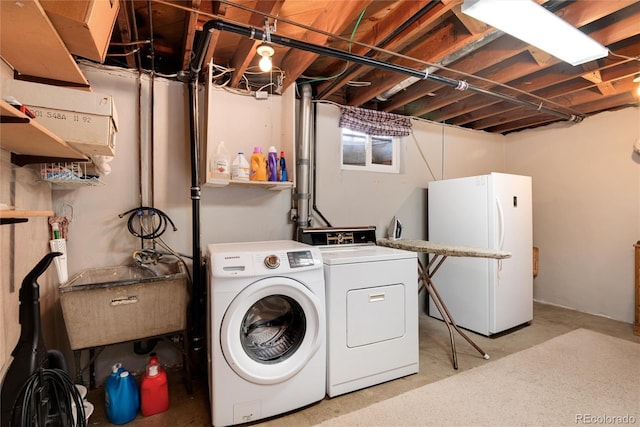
[266, 329]
[372, 308]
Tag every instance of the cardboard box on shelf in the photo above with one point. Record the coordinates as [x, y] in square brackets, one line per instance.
[85, 26]
[86, 120]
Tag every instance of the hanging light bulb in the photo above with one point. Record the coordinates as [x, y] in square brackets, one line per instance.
[266, 52]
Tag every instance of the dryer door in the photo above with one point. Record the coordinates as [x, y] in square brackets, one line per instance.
[271, 330]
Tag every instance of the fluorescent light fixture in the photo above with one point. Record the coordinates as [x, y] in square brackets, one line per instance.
[534, 25]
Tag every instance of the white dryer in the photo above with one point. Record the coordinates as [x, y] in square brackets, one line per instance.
[266, 329]
[372, 308]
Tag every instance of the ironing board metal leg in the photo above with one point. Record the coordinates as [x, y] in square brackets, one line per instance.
[426, 275]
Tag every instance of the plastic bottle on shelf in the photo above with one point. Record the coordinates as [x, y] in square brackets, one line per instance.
[240, 168]
[154, 390]
[258, 165]
[283, 168]
[272, 164]
[220, 166]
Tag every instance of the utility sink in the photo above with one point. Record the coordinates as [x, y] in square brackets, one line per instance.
[109, 305]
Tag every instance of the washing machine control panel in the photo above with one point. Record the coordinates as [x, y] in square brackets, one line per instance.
[300, 259]
[272, 261]
[332, 236]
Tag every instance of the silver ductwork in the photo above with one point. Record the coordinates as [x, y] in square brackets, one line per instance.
[303, 159]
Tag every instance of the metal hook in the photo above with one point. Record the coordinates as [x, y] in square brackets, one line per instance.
[64, 210]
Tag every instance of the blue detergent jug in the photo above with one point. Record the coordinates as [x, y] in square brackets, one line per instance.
[122, 399]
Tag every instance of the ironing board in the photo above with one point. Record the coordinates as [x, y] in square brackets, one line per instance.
[440, 253]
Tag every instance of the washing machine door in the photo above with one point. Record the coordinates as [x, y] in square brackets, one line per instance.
[272, 329]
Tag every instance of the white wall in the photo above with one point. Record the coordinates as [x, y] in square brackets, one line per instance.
[586, 209]
[352, 198]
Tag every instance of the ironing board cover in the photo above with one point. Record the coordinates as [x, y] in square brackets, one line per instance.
[443, 249]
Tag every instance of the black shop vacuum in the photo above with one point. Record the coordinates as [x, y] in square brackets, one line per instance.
[37, 390]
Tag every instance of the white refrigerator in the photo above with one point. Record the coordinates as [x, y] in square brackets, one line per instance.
[484, 295]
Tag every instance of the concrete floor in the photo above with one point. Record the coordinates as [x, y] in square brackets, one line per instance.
[435, 364]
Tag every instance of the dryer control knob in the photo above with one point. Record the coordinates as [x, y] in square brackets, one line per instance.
[272, 261]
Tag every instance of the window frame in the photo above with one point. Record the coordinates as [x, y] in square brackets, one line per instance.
[369, 166]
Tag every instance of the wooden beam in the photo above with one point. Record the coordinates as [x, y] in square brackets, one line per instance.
[472, 25]
[529, 77]
[190, 25]
[246, 49]
[593, 76]
[379, 32]
[443, 41]
[335, 17]
[217, 8]
[494, 53]
[541, 57]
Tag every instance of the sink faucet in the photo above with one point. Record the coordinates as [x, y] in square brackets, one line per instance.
[146, 256]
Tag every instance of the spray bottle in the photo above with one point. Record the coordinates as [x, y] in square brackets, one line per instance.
[283, 168]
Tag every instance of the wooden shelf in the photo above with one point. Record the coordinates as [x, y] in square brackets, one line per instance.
[22, 135]
[23, 214]
[15, 217]
[267, 185]
[32, 46]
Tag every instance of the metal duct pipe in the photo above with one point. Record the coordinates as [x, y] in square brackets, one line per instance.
[258, 34]
[303, 158]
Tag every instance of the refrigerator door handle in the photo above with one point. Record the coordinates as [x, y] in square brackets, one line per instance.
[500, 223]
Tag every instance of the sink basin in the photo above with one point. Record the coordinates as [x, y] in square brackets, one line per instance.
[109, 305]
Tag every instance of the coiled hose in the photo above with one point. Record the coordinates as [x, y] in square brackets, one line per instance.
[46, 398]
[159, 226]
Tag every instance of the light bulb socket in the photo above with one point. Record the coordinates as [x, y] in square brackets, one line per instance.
[265, 50]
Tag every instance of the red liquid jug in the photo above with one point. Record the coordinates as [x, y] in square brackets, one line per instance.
[154, 389]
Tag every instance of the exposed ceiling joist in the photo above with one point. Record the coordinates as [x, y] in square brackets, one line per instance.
[420, 35]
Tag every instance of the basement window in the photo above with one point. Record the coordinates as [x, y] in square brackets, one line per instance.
[362, 152]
